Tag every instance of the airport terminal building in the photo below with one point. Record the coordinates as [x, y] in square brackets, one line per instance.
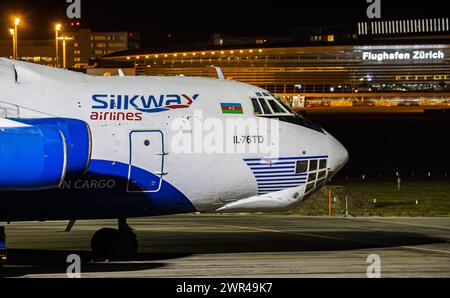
[84, 46]
[393, 65]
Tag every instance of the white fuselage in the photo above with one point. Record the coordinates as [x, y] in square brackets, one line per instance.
[122, 129]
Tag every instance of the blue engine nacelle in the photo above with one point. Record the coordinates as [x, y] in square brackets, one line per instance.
[42, 154]
[78, 138]
[32, 158]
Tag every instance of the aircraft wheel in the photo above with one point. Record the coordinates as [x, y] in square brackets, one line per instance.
[112, 244]
[103, 243]
[126, 244]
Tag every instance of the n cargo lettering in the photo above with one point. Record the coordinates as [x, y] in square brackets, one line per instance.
[131, 107]
[89, 184]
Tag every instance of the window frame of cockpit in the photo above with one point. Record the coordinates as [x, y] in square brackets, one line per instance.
[265, 106]
[255, 100]
[289, 112]
[266, 100]
[277, 104]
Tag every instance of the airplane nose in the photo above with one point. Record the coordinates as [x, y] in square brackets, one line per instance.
[337, 154]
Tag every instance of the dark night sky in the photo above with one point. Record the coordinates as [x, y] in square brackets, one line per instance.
[195, 20]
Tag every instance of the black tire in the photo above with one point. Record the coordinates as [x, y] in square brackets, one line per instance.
[103, 243]
[113, 244]
[126, 244]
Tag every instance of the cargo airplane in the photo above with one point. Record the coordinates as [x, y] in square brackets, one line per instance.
[75, 147]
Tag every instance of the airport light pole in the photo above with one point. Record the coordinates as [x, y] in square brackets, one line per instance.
[57, 29]
[64, 40]
[16, 33]
[13, 36]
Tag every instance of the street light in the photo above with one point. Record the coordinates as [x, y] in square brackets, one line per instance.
[13, 35]
[64, 40]
[16, 25]
[57, 29]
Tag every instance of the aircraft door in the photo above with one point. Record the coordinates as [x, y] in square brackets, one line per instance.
[146, 168]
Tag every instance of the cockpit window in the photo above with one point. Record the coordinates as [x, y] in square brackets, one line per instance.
[276, 107]
[268, 105]
[265, 106]
[288, 108]
[256, 106]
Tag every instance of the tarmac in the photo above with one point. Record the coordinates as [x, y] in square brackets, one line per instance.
[246, 245]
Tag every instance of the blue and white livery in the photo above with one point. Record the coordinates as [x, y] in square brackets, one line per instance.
[74, 147]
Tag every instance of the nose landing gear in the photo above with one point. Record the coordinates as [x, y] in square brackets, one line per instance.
[115, 243]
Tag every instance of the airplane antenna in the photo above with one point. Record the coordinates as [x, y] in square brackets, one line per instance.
[220, 75]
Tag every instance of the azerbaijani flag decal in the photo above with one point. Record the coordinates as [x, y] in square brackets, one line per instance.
[232, 108]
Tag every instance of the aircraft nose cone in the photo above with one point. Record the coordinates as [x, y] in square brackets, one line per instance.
[338, 155]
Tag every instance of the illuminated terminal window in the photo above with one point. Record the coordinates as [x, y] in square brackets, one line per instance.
[117, 45]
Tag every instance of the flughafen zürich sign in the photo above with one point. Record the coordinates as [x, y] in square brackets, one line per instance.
[402, 55]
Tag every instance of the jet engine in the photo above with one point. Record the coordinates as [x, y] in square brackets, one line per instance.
[40, 153]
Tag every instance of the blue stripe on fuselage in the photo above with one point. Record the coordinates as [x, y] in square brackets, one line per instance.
[167, 200]
[83, 197]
